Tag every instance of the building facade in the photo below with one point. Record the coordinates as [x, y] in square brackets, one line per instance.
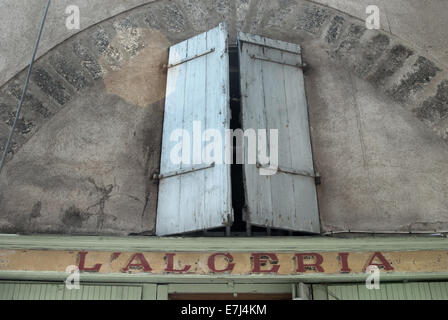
[359, 181]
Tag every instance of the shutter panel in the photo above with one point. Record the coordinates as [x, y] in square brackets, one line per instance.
[273, 97]
[194, 196]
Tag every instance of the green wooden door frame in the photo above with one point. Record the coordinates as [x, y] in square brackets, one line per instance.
[265, 244]
[164, 291]
[26, 290]
[277, 244]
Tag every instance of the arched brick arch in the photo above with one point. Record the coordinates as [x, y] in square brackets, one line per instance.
[112, 45]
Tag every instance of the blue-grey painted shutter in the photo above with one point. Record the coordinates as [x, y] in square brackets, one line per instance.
[273, 97]
[197, 90]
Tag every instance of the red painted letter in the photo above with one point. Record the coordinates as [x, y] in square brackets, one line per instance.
[229, 258]
[82, 261]
[143, 263]
[264, 258]
[384, 262]
[301, 266]
[343, 257]
[170, 264]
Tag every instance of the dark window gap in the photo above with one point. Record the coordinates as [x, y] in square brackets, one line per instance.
[239, 225]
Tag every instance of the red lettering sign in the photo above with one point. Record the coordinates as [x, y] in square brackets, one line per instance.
[384, 263]
[229, 258]
[301, 266]
[82, 261]
[343, 258]
[260, 259]
[143, 264]
[170, 264]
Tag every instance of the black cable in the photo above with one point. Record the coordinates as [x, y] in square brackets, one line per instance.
[19, 107]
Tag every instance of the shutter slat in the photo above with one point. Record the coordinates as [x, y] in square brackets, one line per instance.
[192, 185]
[277, 118]
[258, 191]
[217, 116]
[439, 290]
[169, 196]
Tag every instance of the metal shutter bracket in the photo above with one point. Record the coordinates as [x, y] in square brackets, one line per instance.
[316, 175]
[183, 172]
[192, 58]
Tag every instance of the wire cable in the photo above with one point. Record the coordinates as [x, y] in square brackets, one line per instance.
[19, 107]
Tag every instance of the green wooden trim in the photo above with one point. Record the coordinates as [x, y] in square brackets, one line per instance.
[162, 292]
[275, 244]
[213, 279]
[320, 292]
[26, 290]
[155, 244]
[149, 291]
[230, 288]
[387, 291]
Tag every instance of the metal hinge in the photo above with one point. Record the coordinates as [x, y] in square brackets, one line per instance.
[183, 171]
[189, 59]
[268, 46]
[298, 65]
[315, 175]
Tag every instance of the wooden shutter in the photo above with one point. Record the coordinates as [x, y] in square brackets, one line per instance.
[195, 197]
[273, 97]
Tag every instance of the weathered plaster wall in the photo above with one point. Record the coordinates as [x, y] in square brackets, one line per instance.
[89, 138]
[421, 23]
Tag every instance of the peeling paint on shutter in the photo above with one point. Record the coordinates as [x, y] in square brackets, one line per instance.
[273, 97]
[195, 196]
